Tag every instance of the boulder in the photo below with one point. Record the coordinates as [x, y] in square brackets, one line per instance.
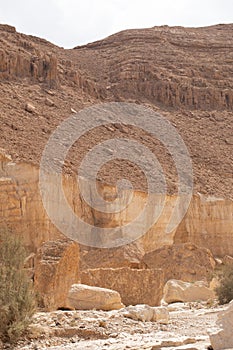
[134, 285]
[82, 297]
[49, 102]
[56, 269]
[146, 313]
[185, 262]
[30, 108]
[129, 255]
[221, 337]
[179, 291]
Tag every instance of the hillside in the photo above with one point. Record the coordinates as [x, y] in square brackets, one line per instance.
[185, 74]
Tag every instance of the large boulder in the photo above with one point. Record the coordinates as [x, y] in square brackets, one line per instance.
[56, 269]
[175, 291]
[146, 313]
[221, 338]
[82, 297]
[185, 262]
[129, 255]
[135, 286]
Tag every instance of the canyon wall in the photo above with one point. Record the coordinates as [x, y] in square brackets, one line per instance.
[208, 222]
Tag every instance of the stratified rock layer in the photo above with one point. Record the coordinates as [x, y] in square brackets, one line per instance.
[185, 74]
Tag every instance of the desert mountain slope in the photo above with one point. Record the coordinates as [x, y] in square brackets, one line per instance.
[185, 74]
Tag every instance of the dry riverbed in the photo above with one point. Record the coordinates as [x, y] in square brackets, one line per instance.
[70, 330]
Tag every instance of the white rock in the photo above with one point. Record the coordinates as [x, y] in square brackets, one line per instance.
[222, 337]
[146, 313]
[83, 297]
[179, 291]
[49, 102]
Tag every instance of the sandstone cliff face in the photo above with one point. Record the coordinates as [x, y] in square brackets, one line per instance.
[208, 222]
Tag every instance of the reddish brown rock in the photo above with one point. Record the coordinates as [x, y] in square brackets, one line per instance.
[135, 286]
[185, 262]
[186, 69]
[125, 256]
[56, 269]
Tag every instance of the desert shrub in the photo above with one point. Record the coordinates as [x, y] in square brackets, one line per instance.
[17, 300]
[225, 289]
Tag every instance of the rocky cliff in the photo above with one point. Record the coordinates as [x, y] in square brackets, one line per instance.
[185, 75]
[208, 222]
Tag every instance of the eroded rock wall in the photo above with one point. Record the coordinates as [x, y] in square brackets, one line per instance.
[208, 222]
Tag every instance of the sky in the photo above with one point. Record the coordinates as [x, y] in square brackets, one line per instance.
[69, 23]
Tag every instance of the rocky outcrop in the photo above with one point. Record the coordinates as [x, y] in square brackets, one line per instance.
[135, 286]
[185, 262]
[56, 269]
[179, 291]
[129, 255]
[208, 222]
[221, 338]
[82, 297]
[168, 65]
[42, 68]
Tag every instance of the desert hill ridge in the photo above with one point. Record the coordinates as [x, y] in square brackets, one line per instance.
[186, 74]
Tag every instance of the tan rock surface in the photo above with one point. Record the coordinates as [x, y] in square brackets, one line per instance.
[227, 260]
[175, 291]
[129, 255]
[185, 262]
[221, 338]
[82, 297]
[56, 269]
[22, 209]
[135, 286]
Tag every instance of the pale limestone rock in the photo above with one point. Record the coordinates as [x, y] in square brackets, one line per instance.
[83, 297]
[178, 307]
[175, 291]
[56, 269]
[146, 313]
[161, 314]
[30, 108]
[49, 102]
[221, 338]
[173, 342]
[134, 285]
[73, 110]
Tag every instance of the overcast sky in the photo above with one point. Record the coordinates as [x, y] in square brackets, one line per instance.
[74, 22]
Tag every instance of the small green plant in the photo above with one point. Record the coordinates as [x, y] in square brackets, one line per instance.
[17, 300]
[225, 289]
